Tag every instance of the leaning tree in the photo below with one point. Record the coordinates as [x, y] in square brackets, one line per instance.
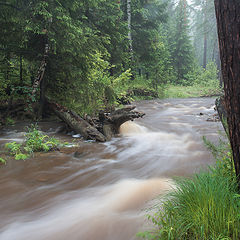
[228, 23]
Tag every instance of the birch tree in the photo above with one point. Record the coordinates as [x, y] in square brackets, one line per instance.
[129, 20]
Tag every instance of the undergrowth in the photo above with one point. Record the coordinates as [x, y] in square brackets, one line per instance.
[2, 161]
[35, 141]
[197, 90]
[201, 83]
[205, 207]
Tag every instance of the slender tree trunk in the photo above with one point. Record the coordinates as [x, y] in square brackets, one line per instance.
[7, 60]
[205, 37]
[205, 51]
[21, 71]
[228, 22]
[42, 101]
[185, 11]
[214, 50]
[129, 18]
[41, 70]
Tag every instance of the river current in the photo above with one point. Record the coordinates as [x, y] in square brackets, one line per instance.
[100, 191]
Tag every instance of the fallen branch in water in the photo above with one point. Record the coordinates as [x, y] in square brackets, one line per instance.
[101, 129]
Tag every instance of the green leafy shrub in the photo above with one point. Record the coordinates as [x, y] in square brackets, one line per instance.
[13, 147]
[3, 161]
[21, 156]
[208, 77]
[9, 121]
[35, 141]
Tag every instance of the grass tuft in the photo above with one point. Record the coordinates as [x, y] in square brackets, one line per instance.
[197, 90]
[205, 207]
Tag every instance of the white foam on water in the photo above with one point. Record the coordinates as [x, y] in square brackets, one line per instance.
[116, 206]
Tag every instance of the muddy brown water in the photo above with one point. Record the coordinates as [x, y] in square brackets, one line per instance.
[100, 191]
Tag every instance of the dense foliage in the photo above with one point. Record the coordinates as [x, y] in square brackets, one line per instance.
[80, 51]
[180, 44]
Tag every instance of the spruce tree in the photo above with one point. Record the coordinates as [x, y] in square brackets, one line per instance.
[180, 45]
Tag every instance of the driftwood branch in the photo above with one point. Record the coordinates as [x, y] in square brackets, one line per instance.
[104, 128]
[76, 123]
[112, 121]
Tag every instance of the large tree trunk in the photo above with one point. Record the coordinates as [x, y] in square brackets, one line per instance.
[228, 22]
[222, 113]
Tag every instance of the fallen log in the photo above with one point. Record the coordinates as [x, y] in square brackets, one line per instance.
[101, 129]
[76, 123]
[112, 121]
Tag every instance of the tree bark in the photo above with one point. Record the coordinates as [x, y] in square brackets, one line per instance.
[228, 22]
[76, 123]
[129, 17]
[222, 113]
[42, 100]
[205, 37]
[21, 71]
[41, 70]
[205, 51]
[111, 122]
[214, 49]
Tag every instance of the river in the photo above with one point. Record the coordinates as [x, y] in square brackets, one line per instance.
[100, 191]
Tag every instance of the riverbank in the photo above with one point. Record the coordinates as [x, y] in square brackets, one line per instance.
[104, 186]
[197, 90]
[205, 206]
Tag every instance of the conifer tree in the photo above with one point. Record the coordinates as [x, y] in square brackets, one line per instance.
[180, 45]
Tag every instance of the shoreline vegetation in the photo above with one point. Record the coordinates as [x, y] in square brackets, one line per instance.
[205, 206]
[139, 90]
[142, 91]
[34, 141]
[90, 57]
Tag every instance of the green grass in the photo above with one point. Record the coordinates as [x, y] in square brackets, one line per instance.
[205, 207]
[177, 91]
[170, 90]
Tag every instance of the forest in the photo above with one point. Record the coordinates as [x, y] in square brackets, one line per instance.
[101, 53]
[75, 74]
